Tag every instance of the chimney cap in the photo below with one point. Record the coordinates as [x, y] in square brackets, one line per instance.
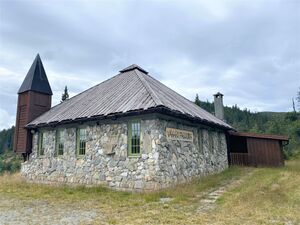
[218, 94]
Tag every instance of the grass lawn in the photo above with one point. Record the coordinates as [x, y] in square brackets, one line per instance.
[262, 196]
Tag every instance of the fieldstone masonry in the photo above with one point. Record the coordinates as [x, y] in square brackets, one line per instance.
[162, 162]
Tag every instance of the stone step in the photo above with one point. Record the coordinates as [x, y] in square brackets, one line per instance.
[219, 192]
[208, 201]
[213, 197]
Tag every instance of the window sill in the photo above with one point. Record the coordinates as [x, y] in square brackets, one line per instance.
[135, 156]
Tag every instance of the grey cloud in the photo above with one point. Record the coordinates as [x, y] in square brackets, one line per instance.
[248, 50]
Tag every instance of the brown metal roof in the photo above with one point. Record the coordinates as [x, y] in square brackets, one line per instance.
[131, 90]
[264, 136]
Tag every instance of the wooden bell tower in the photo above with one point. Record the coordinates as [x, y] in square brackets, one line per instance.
[34, 98]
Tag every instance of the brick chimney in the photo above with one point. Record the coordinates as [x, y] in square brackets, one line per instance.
[34, 98]
[219, 108]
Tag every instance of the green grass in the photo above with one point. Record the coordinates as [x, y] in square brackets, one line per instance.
[264, 196]
[270, 194]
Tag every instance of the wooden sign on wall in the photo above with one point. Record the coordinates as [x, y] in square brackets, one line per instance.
[179, 135]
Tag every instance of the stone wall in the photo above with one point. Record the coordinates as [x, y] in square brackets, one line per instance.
[162, 162]
[181, 161]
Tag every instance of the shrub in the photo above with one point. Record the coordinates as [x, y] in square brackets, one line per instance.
[10, 162]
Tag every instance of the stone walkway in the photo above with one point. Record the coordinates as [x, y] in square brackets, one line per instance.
[208, 199]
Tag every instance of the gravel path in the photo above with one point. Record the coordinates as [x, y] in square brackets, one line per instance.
[19, 212]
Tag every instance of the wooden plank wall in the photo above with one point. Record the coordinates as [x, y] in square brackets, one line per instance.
[20, 137]
[30, 106]
[264, 152]
[239, 159]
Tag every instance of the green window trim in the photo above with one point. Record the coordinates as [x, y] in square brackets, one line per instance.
[60, 139]
[134, 138]
[81, 139]
[41, 147]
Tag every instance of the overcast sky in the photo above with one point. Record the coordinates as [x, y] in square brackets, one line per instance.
[248, 50]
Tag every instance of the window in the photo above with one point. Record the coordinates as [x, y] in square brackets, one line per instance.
[219, 141]
[211, 141]
[41, 147]
[200, 141]
[81, 141]
[134, 136]
[60, 140]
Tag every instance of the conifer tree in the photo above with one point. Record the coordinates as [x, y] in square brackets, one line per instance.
[294, 107]
[65, 95]
[197, 100]
[298, 98]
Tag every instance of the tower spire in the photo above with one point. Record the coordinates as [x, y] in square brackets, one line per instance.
[36, 79]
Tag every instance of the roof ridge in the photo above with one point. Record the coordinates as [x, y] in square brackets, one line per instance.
[64, 102]
[153, 95]
[183, 97]
[35, 63]
[133, 67]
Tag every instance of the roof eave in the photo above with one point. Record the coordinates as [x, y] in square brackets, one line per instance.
[260, 136]
[158, 109]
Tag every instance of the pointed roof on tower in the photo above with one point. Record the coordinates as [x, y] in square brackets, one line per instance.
[36, 79]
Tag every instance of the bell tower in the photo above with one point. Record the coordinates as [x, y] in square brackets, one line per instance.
[34, 98]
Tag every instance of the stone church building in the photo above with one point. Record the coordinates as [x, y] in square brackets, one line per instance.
[130, 132]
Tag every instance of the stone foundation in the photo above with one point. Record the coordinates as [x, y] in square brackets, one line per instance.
[162, 162]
